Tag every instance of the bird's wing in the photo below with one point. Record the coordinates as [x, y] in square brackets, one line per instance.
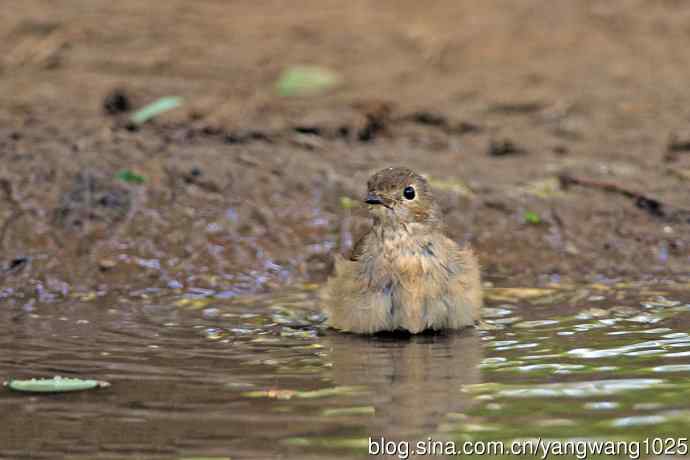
[467, 284]
[358, 247]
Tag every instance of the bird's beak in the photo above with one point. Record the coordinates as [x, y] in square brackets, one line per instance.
[373, 198]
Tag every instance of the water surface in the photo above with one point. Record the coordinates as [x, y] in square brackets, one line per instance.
[205, 374]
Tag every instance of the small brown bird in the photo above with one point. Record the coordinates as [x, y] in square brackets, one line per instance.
[404, 274]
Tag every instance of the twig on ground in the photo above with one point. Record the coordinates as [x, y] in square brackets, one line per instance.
[652, 206]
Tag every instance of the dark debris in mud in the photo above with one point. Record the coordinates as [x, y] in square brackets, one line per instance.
[116, 102]
[17, 264]
[505, 147]
[372, 120]
[92, 199]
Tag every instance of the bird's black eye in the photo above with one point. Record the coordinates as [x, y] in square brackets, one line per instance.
[409, 193]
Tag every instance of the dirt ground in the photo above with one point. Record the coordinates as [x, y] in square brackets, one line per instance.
[555, 133]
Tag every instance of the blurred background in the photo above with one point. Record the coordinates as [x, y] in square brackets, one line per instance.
[267, 118]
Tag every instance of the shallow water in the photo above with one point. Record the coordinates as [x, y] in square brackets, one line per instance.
[259, 377]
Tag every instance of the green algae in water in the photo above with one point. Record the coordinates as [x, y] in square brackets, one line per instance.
[56, 384]
[206, 458]
[312, 394]
[328, 442]
[349, 411]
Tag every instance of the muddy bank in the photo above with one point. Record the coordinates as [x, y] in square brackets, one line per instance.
[207, 211]
[241, 189]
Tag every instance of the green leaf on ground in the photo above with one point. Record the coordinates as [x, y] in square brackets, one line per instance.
[154, 109]
[531, 217]
[130, 177]
[306, 80]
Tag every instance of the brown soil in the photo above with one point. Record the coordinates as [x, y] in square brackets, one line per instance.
[243, 189]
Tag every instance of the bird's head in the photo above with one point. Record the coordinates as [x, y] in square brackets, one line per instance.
[399, 196]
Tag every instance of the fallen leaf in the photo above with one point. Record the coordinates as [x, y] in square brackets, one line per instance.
[56, 384]
[306, 80]
[130, 177]
[154, 109]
